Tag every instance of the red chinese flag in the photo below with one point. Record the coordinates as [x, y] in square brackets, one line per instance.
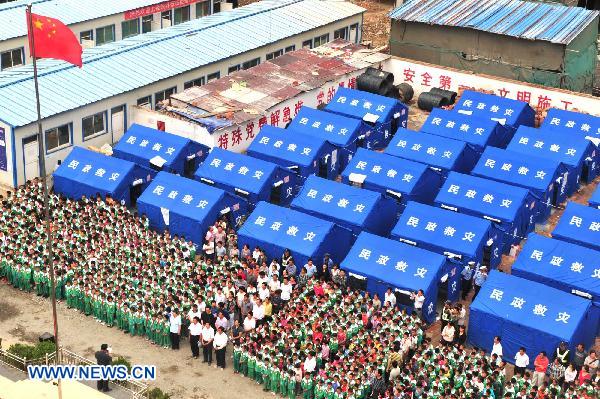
[53, 39]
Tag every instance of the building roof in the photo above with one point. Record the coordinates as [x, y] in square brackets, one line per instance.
[522, 19]
[126, 65]
[14, 24]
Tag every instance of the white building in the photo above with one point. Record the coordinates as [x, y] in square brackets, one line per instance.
[91, 106]
[94, 22]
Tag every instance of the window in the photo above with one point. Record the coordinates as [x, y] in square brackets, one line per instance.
[165, 18]
[145, 102]
[213, 76]
[147, 23]
[341, 34]
[233, 68]
[86, 35]
[130, 28]
[11, 58]
[290, 48]
[163, 95]
[307, 44]
[182, 14]
[274, 54]
[58, 137]
[202, 9]
[196, 82]
[105, 34]
[251, 63]
[321, 40]
[93, 125]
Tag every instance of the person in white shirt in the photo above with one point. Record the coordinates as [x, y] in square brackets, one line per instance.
[207, 336]
[195, 331]
[497, 348]
[221, 321]
[194, 312]
[419, 299]
[274, 285]
[258, 311]
[286, 290]
[263, 291]
[310, 363]
[390, 298]
[175, 328]
[521, 362]
[570, 374]
[220, 343]
[249, 322]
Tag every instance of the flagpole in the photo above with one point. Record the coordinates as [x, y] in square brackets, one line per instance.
[42, 160]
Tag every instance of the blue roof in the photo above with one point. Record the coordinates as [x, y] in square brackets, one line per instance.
[400, 265]
[512, 167]
[504, 110]
[144, 143]
[13, 21]
[573, 122]
[291, 147]
[427, 148]
[550, 144]
[385, 171]
[357, 104]
[485, 197]
[236, 170]
[286, 228]
[497, 297]
[595, 198]
[579, 224]
[559, 264]
[473, 130]
[65, 87]
[456, 232]
[336, 129]
[522, 19]
[182, 196]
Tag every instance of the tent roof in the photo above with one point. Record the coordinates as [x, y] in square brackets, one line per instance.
[385, 170]
[513, 167]
[146, 143]
[501, 109]
[502, 292]
[454, 125]
[579, 223]
[571, 121]
[457, 232]
[393, 262]
[426, 148]
[182, 196]
[288, 144]
[489, 197]
[284, 227]
[357, 104]
[93, 169]
[236, 170]
[337, 129]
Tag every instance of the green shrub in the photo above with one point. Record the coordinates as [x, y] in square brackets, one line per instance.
[157, 393]
[32, 352]
[123, 361]
[44, 347]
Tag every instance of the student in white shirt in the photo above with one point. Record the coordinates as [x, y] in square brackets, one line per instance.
[175, 328]
[195, 331]
[390, 297]
[220, 344]
[521, 362]
[207, 336]
[310, 363]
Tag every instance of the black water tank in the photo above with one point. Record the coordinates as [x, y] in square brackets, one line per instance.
[450, 96]
[381, 74]
[428, 101]
[406, 92]
[372, 84]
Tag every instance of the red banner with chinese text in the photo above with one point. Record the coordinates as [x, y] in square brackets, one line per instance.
[160, 7]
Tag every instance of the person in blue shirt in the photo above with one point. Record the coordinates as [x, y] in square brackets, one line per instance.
[467, 279]
[478, 279]
[310, 267]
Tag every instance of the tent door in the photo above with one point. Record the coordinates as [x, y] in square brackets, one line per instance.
[30, 157]
[487, 256]
[276, 194]
[585, 172]
[555, 193]
[189, 167]
[134, 193]
[117, 115]
[323, 169]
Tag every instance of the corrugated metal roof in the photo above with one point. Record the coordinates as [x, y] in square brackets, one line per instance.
[12, 15]
[523, 19]
[138, 61]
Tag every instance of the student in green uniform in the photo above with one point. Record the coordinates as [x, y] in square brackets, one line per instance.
[251, 367]
[307, 387]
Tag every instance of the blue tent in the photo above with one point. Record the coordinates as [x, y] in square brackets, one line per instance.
[375, 264]
[571, 122]
[250, 178]
[381, 116]
[400, 178]
[509, 208]
[353, 208]
[305, 155]
[184, 206]
[506, 111]
[529, 314]
[274, 228]
[342, 132]
[544, 178]
[158, 150]
[579, 224]
[87, 173]
[559, 264]
[578, 155]
[595, 199]
[441, 153]
[476, 131]
[462, 238]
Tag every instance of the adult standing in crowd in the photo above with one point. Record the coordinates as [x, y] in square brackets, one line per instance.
[478, 279]
[207, 335]
[563, 354]
[418, 299]
[195, 331]
[541, 366]
[103, 358]
[521, 362]
[497, 347]
[467, 279]
[175, 328]
[579, 356]
[220, 345]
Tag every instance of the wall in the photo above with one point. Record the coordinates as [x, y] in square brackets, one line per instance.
[130, 99]
[6, 155]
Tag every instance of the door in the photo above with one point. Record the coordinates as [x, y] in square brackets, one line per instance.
[31, 158]
[117, 116]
